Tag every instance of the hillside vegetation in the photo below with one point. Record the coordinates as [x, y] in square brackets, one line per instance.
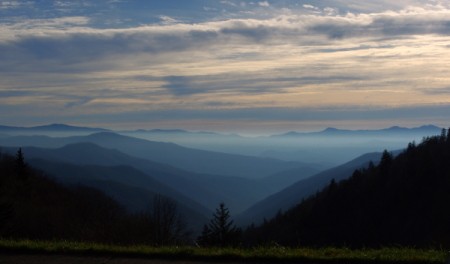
[33, 206]
[402, 201]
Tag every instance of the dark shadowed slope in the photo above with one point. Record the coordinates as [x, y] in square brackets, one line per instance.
[402, 201]
[152, 175]
[132, 188]
[294, 194]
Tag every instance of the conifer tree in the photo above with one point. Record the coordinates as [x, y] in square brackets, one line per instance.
[221, 231]
[448, 134]
[21, 166]
[385, 162]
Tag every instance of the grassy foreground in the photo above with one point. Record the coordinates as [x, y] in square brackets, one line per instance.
[266, 254]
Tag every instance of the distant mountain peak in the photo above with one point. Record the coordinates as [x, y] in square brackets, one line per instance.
[396, 128]
[331, 129]
[108, 134]
[429, 127]
[168, 131]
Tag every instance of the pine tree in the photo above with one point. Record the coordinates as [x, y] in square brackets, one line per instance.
[448, 134]
[385, 163]
[21, 166]
[221, 231]
[443, 136]
[205, 237]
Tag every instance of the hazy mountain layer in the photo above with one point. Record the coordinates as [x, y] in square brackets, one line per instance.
[302, 189]
[194, 160]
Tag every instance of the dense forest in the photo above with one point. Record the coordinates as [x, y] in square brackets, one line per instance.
[34, 206]
[402, 201]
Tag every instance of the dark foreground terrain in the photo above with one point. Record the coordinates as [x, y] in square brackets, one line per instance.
[57, 259]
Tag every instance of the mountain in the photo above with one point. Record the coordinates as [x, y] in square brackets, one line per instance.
[200, 161]
[403, 201]
[323, 149]
[208, 190]
[130, 187]
[158, 178]
[425, 130]
[34, 206]
[292, 195]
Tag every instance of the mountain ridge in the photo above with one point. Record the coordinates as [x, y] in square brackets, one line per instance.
[190, 159]
[328, 130]
[293, 194]
[402, 201]
[337, 131]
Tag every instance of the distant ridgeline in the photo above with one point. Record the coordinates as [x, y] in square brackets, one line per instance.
[402, 201]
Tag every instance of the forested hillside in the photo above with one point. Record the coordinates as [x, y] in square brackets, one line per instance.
[402, 201]
[32, 206]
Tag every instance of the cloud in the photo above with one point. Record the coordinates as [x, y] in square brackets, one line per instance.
[179, 85]
[78, 102]
[15, 4]
[264, 3]
[230, 3]
[275, 63]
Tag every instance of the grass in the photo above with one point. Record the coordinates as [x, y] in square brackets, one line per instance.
[264, 254]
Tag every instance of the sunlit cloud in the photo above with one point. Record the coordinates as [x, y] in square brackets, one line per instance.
[311, 59]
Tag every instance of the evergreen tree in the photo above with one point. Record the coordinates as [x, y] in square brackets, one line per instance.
[385, 162]
[443, 136]
[221, 231]
[21, 166]
[205, 237]
[448, 134]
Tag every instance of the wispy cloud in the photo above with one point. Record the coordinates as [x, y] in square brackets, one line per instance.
[263, 56]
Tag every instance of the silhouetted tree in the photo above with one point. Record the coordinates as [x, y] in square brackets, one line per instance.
[385, 162]
[21, 166]
[221, 231]
[448, 134]
[443, 136]
[206, 236]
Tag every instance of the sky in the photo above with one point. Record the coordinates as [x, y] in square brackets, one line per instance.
[225, 65]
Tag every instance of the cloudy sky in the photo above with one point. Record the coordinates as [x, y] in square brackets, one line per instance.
[231, 65]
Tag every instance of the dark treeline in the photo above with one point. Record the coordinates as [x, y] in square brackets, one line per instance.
[33, 206]
[402, 201]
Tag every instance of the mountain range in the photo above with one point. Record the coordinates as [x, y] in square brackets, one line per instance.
[207, 190]
[194, 160]
[427, 129]
[331, 131]
[133, 170]
[318, 149]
